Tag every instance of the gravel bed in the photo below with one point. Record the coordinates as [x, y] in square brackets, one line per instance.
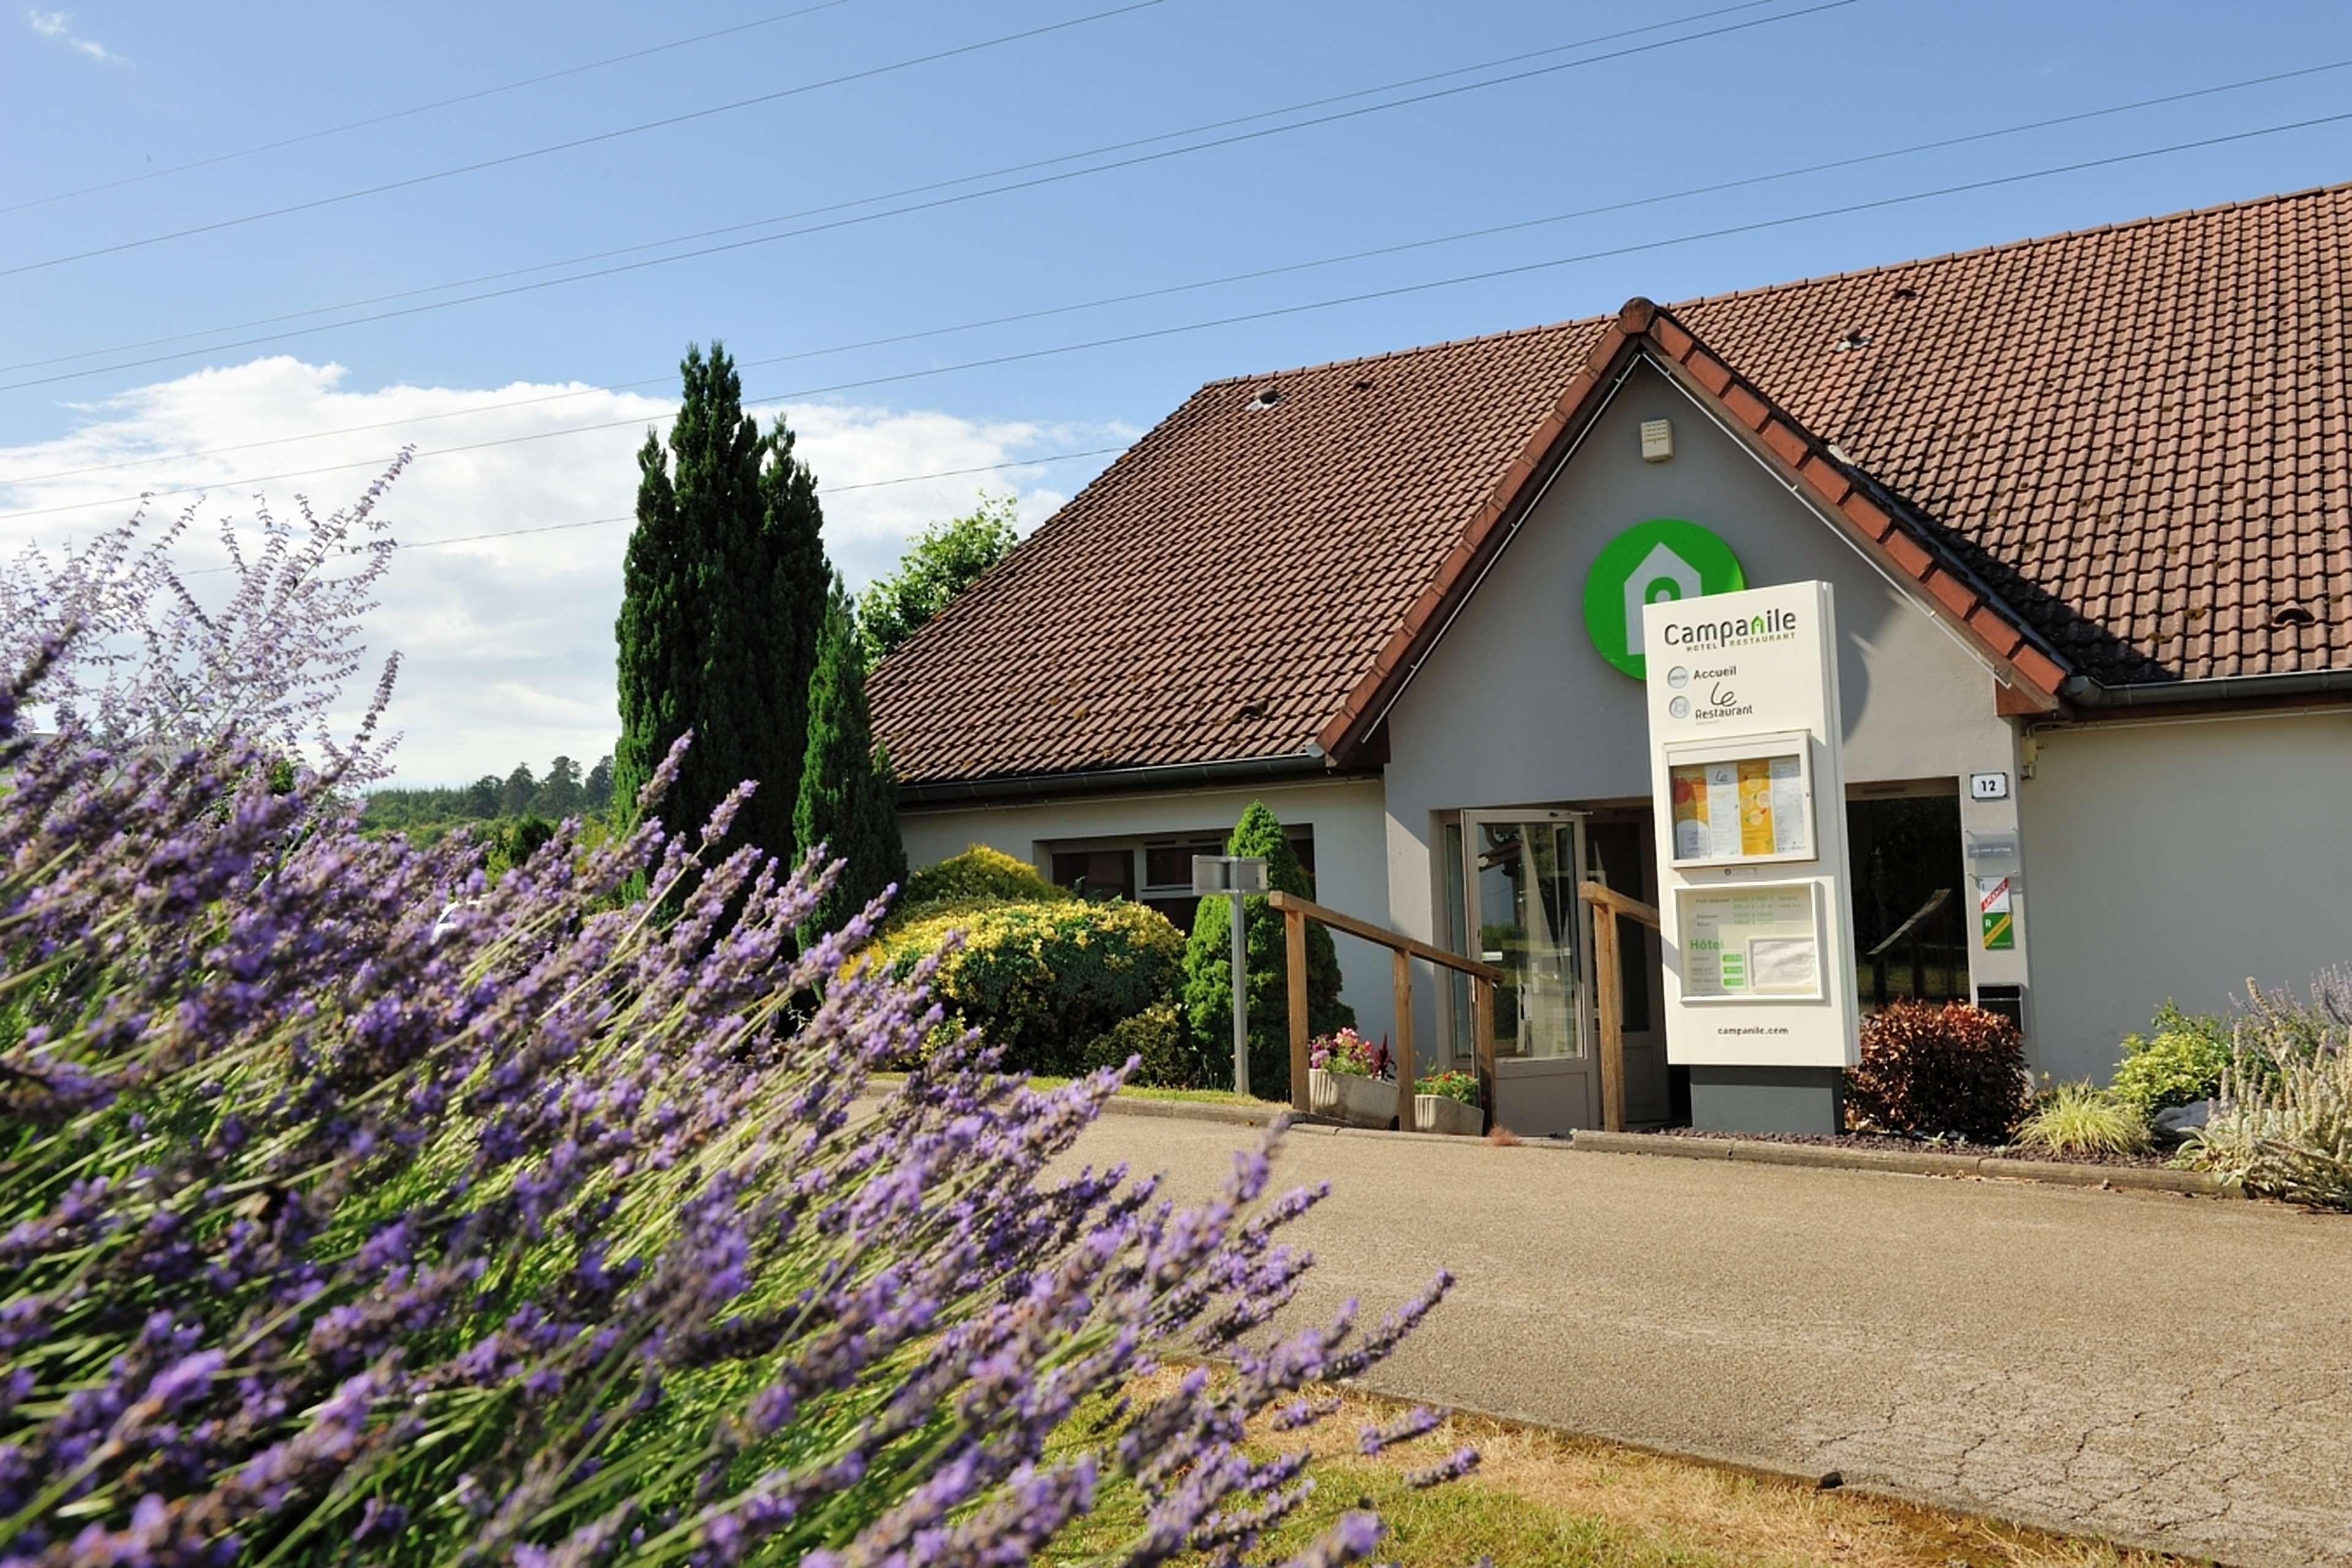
[2156, 1160]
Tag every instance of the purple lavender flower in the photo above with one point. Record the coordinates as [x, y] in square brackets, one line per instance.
[362, 1207]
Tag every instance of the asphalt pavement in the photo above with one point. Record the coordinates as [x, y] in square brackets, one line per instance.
[2167, 1370]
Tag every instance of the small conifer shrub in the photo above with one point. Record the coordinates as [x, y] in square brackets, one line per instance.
[1209, 965]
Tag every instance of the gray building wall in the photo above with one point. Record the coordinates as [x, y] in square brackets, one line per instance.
[2178, 860]
[1349, 835]
[1514, 708]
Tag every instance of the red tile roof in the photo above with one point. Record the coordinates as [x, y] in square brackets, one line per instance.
[1214, 593]
[2129, 448]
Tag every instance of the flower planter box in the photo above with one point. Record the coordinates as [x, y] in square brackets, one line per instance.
[1349, 1097]
[1436, 1114]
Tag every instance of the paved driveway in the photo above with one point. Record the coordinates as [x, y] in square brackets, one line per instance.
[2170, 1371]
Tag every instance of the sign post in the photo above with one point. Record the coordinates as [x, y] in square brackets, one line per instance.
[1230, 877]
[1748, 779]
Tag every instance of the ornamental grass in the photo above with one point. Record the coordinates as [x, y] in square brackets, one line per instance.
[2076, 1120]
[357, 1208]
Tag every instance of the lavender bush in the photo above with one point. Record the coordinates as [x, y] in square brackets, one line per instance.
[2282, 1124]
[355, 1209]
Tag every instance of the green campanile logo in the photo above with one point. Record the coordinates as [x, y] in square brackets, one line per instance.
[1662, 559]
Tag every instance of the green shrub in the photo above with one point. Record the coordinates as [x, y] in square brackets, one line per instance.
[1165, 1055]
[2178, 1062]
[979, 876]
[1932, 1070]
[516, 842]
[1209, 964]
[1044, 978]
[2077, 1119]
[2282, 1124]
[1457, 1086]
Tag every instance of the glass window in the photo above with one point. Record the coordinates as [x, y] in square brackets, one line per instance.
[1180, 912]
[1169, 865]
[1100, 874]
[1911, 910]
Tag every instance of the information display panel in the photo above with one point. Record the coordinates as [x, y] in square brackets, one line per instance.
[1751, 940]
[1742, 804]
[1748, 776]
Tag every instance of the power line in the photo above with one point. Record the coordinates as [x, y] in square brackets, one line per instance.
[578, 141]
[933, 203]
[632, 517]
[388, 117]
[868, 201]
[1630, 203]
[1275, 312]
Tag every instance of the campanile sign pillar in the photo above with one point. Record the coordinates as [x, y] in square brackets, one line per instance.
[1748, 782]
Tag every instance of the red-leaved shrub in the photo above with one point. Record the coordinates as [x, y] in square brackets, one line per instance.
[1949, 1069]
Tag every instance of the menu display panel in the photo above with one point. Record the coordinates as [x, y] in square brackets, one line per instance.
[1730, 808]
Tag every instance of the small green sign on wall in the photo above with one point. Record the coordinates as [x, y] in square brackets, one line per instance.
[1664, 558]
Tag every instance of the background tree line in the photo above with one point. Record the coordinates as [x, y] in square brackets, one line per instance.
[429, 810]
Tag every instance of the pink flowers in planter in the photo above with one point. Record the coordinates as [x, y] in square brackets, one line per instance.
[1349, 1052]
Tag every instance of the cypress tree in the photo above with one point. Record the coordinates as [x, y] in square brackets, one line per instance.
[723, 597]
[1209, 965]
[849, 795]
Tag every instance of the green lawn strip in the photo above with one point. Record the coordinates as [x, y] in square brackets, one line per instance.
[1189, 1096]
[1449, 1526]
[1549, 1500]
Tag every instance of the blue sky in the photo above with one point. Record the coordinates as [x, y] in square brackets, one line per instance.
[96, 93]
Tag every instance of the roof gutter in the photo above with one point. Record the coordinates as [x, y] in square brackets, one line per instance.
[2084, 692]
[1110, 780]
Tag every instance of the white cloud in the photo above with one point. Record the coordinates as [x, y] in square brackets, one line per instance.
[59, 24]
[506, 644]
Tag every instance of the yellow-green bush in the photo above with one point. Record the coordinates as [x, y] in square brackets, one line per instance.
[1046, 979]
[978, 877]
[2178, 1062]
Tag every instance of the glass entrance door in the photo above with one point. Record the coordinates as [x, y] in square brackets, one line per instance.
[1522, 914]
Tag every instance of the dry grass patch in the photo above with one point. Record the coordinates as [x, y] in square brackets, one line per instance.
[1545, 1499]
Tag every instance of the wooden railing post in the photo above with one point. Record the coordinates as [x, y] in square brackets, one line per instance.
[1609, 990]
[1297, 912]
[1294, 953]
[1608, 986]
[1402, 970]
[1482, 1037]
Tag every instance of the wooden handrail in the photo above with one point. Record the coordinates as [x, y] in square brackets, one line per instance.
[1297, 912]
[1609, 897]
[1609, 988]
[1396, 941]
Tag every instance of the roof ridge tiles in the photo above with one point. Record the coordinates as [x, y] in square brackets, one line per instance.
[1409, 352]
